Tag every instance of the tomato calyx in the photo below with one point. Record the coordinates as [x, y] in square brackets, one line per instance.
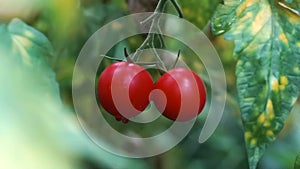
[131, 60]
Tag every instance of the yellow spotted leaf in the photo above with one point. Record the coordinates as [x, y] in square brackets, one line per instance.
[266, 37]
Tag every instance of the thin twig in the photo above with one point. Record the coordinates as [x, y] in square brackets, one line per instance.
[177, 7]
[176, 61]
[112, 58]
[156, 31]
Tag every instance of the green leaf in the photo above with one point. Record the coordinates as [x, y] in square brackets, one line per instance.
[29, 102]
[297, 162]
[36, 129]
[267, 46]
[22, 40]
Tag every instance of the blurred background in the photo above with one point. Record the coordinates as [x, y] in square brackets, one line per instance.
[38, 125]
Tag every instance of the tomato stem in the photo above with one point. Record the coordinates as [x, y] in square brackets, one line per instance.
[155, 32]
[149, 64]
[127, 56]
[176, 61]
[111, 58]
[125, 53]
[177, 7]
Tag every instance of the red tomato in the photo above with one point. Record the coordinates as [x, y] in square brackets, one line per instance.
[179, 94]
[123, 90]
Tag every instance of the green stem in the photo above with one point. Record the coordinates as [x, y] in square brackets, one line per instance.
[177, 7]
[155, 20]
[156, 31]
[112, 58]
[176, 61]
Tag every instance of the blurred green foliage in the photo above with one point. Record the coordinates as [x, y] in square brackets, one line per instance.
[38, 126]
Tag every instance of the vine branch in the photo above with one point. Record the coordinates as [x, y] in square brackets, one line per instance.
[155, 31]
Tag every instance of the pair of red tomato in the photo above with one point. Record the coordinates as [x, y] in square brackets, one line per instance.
[125, 90]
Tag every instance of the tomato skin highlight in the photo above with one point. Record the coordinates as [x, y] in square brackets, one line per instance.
[124, 89]
[185, 94]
